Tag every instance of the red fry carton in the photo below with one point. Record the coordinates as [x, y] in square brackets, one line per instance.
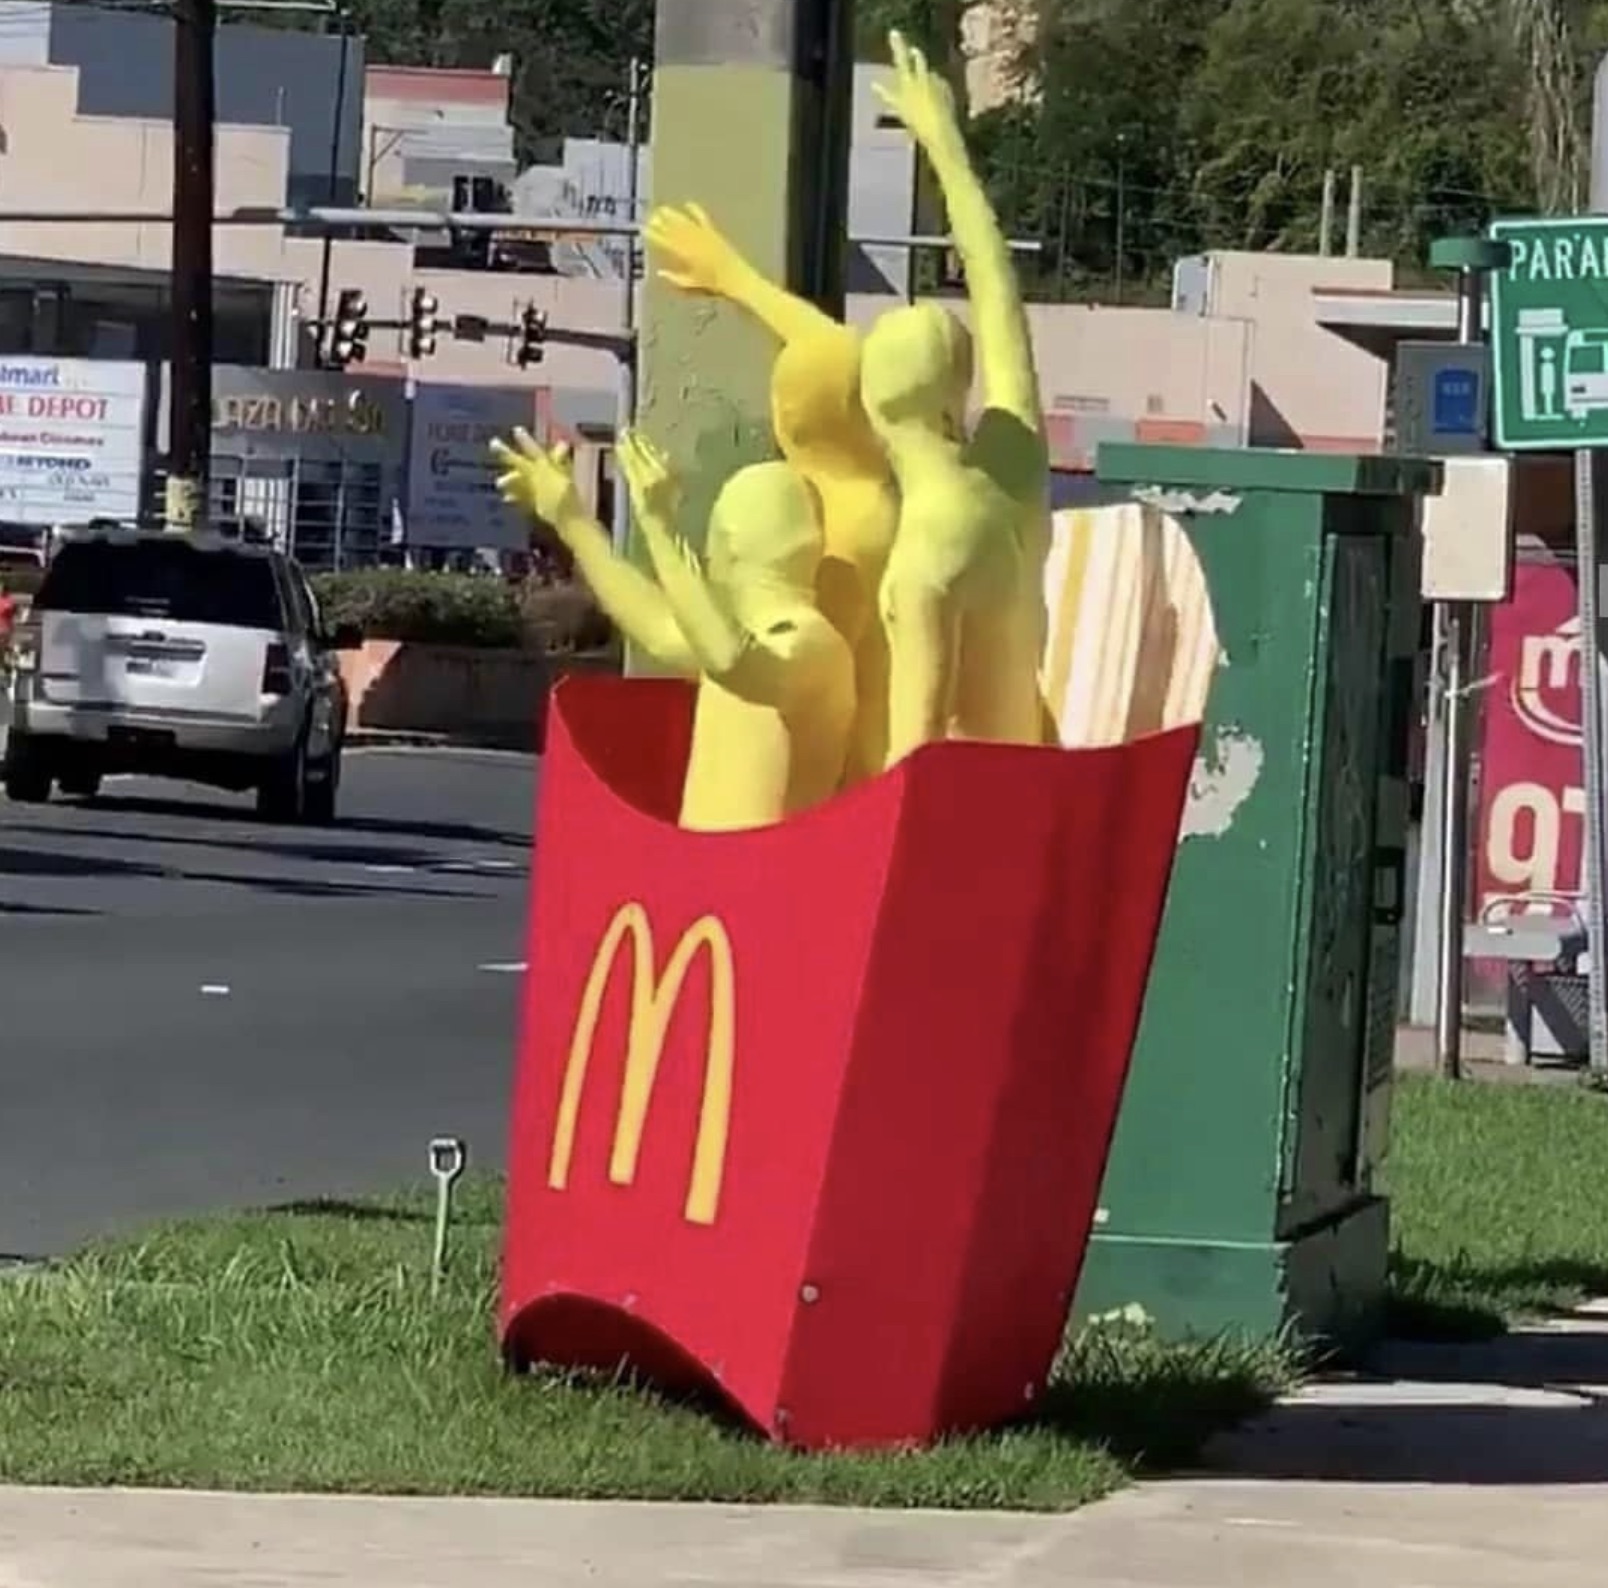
[814, 1116]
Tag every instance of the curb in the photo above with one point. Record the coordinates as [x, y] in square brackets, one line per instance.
[405, 739]
[396, 739]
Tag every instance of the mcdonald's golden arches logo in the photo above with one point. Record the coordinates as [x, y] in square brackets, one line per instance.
[653, 1001]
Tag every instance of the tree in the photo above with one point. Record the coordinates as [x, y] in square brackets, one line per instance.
[1270, 108]
[1544, 32]
[1190, 124]
[931, 25]
[571, 57]
[1097, 146]
[1148, 129]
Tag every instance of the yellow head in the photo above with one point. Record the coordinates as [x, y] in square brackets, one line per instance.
[916, 372]
[765, 528]
[816, 412]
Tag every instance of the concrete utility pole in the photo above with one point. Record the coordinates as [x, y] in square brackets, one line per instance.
[751, 102]
[194, 119]
[626, 371]
[1326, 215]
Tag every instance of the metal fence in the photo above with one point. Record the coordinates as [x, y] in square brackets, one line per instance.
[327, 513]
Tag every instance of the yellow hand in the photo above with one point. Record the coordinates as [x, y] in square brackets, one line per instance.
[921, 99]
[539, 480]
[655, 490]
[694, 255]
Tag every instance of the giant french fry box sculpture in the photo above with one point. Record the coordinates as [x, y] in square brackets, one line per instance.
[820, 1061]
[1132, 646]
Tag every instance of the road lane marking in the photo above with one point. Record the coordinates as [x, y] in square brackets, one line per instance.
[509, 967]
[462, 868]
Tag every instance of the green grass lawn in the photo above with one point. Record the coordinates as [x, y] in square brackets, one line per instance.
[1499, 1203]
[301, 1349]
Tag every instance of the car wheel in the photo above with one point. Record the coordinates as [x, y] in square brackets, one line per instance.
[80, 785]
[27, 773]
[323, 789]
[282, 794]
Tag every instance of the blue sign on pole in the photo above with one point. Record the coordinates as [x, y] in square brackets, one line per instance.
[1455, 402]
[1440, 397]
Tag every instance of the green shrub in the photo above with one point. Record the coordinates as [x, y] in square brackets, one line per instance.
[562, 619]
[462, 609]
[426, 608]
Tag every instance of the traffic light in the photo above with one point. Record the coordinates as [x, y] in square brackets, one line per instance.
[532, 336]
[348, 342]
[423, 318]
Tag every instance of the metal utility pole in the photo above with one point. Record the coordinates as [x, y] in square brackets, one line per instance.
[336, 130]
[626, 372]
[1326, 215]
[194, 117]
[1454, 655]
[1455, 623]
[1354, 215]
[1591, 531]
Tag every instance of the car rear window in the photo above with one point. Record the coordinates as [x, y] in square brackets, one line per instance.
[155, 579]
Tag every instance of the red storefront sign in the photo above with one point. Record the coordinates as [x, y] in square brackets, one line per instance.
[1531, 804]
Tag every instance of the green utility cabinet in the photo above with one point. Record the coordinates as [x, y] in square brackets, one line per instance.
[1241, 1192]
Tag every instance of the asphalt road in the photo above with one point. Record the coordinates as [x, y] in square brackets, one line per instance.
[201, 1011]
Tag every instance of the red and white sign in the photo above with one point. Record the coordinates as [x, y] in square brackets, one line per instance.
[70, 439]
[1532, 803]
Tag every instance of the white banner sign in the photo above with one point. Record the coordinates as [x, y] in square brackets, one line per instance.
[70, 431]
[452, 481]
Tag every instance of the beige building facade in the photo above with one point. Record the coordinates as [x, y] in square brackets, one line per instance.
[1243, 356]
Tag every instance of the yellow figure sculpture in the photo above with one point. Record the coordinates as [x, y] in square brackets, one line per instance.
[822, 430]
[962, 596]
[541, 481]
[775, 707]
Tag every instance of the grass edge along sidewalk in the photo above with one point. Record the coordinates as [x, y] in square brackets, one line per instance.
[1499, 1204]
[301, 1350]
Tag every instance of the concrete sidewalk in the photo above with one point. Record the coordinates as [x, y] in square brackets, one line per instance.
[1483, 1466]
[1207, 1534]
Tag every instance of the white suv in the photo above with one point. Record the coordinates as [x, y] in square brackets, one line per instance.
[185, 656]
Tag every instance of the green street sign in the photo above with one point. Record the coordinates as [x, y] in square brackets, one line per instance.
[1549, 334]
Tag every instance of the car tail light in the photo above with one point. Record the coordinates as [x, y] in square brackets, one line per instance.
[276, 670]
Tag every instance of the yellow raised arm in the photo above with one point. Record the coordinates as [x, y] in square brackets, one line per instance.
[922, 100]
[541, 482]
[697, 257]
[722, 649]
